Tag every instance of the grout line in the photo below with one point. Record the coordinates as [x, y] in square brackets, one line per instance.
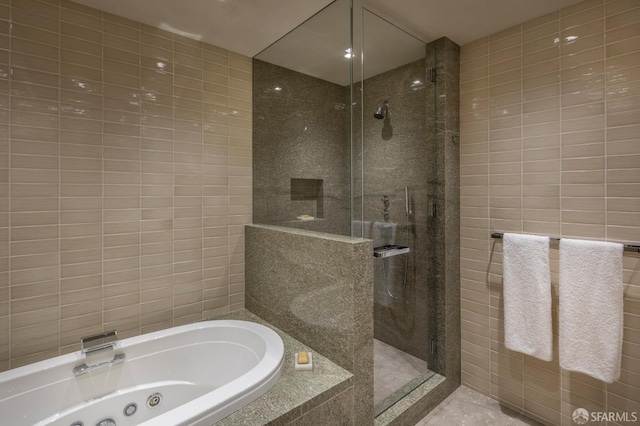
[489, 242]
[173, 179]
[9, 213]
[59, 261]
[140, 179]
[606, 132]
[606, 169]
[560, 371]
[522, 178]
[229, 235]
[202, 186]
[103, 179]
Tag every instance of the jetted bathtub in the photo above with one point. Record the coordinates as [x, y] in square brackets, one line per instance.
[189, 375]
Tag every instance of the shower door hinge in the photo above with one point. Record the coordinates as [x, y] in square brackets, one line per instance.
[433, 210]
[432, 75]
[433, 345]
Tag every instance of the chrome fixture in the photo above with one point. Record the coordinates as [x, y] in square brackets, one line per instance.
[130, 409]
[381, 111]
[154, 399]
[98, 343]
[633, 248]
[389, 250]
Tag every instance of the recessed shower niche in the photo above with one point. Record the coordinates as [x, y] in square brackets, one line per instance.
[310, 194]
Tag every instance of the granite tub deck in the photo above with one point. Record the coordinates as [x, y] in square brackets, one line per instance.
[324, 394]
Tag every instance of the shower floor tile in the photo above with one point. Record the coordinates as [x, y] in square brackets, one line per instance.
[465, 407]
[393, 369]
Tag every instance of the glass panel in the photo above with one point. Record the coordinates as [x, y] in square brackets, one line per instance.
[395, 204]
[302, 126]
[343, 142]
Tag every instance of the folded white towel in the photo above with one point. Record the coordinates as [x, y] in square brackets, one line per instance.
[591, 311]
[527, 295]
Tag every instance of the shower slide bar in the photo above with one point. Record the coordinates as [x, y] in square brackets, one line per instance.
[633, 248]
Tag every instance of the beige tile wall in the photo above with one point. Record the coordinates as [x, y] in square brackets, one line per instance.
[550, 145]
[125, 175]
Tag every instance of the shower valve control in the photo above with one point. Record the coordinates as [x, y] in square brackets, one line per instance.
[432, 75]
[433, 209]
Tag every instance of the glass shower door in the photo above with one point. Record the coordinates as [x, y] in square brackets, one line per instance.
[395, 204]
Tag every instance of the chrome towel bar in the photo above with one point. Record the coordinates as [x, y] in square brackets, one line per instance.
[633, 248]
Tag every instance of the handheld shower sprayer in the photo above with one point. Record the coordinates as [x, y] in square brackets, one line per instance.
[407, 205]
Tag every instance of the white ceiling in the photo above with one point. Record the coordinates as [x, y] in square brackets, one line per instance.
[249, 26]
[242, 26]
[313, 50]
[462, 21]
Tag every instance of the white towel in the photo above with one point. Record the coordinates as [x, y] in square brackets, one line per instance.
[591, 311]
[527, 295]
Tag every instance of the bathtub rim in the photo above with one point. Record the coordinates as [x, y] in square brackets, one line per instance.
[241, 391]
[130, 341]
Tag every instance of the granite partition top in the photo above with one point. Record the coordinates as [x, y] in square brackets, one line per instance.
[296, 392]
[316, 234]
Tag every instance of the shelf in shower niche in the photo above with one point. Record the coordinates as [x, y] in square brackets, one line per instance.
[389, 250]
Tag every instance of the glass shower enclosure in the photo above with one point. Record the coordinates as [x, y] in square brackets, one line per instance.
[343, 128]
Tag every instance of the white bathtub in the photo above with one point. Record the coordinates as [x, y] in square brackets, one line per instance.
[203, 372]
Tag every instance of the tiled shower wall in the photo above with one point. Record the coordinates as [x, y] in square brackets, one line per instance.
[126, 177]
[300, 132]
[550, 145]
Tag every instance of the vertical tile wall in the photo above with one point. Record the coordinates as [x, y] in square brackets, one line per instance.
[125, 177]
[550, 145]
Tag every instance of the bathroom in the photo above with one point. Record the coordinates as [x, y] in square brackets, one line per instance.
[131, 152]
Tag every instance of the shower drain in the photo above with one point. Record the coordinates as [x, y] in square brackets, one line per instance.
[154, 400]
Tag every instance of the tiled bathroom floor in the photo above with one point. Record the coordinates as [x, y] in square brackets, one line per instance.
[392, 369]
[466, 407]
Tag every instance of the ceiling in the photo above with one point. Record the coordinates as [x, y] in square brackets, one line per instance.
[249, 26]
[317, 48]
[242, 26]
[462, 21]
[313, 50]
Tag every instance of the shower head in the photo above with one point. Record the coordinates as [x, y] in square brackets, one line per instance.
[379, 114]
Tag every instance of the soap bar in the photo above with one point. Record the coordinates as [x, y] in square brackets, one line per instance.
[303, 357]
[308, 361]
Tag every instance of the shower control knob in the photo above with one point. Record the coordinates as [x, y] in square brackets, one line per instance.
[106, 422]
